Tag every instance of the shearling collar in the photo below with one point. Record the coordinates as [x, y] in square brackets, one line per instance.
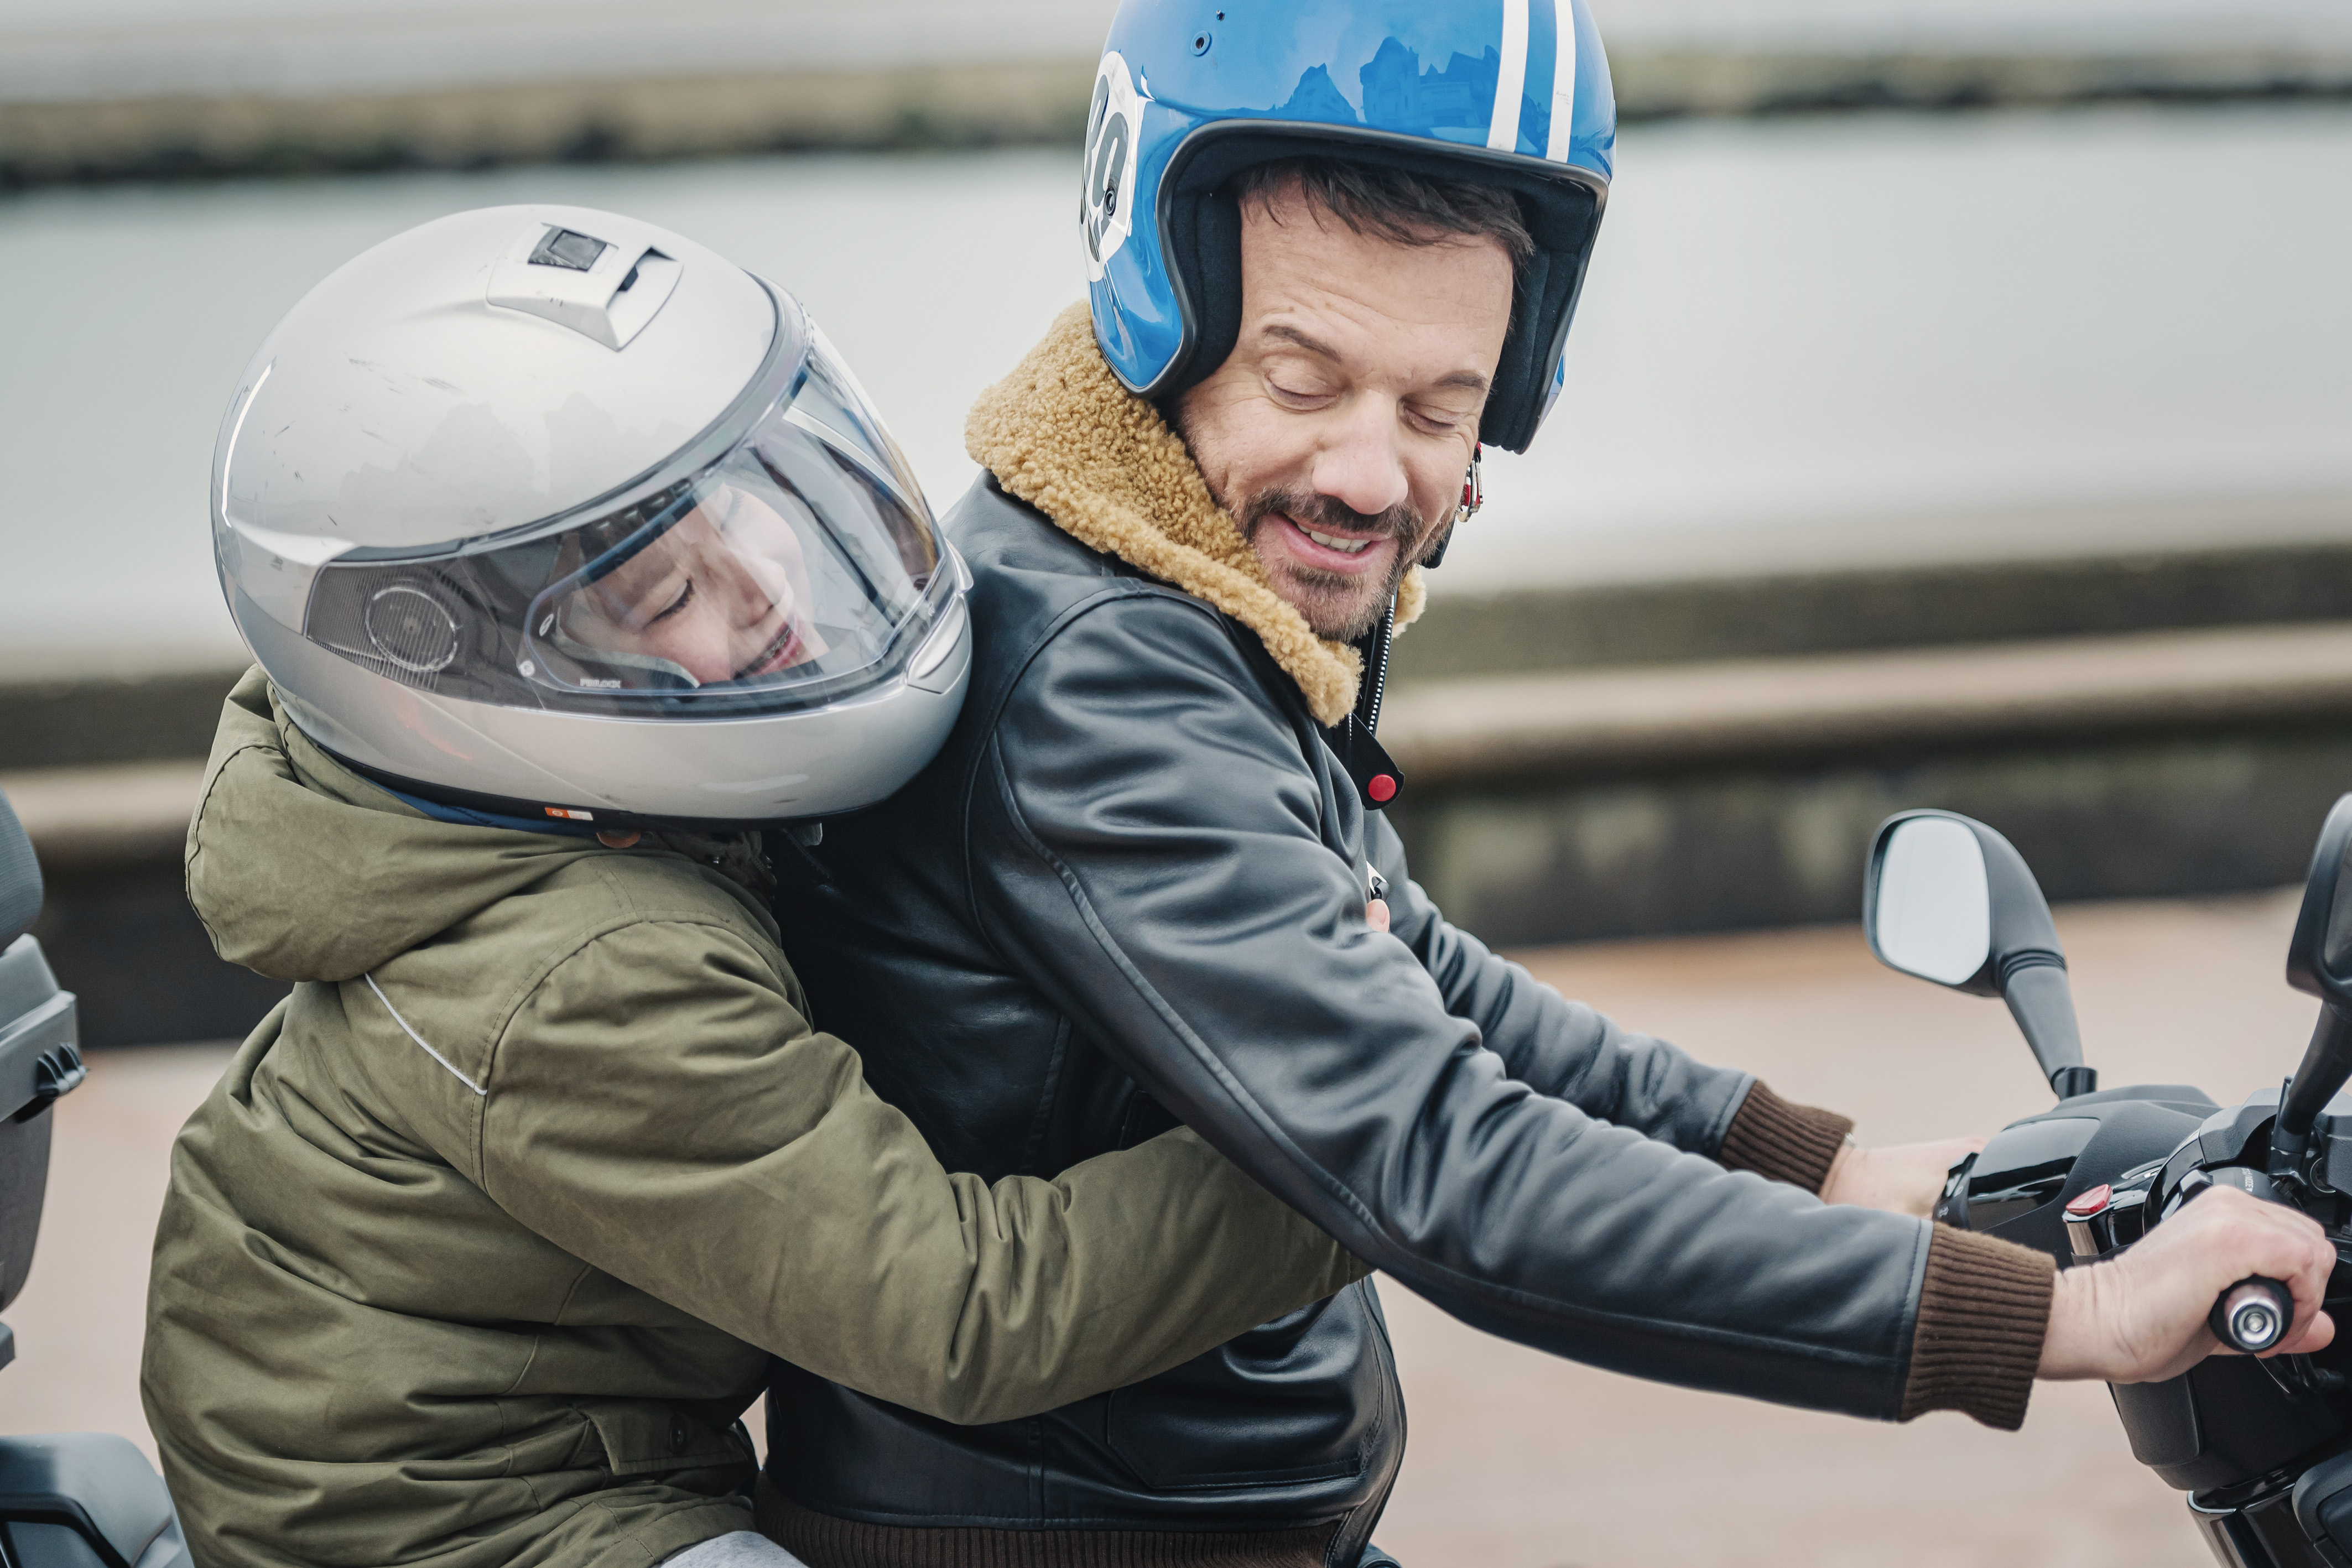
[1065, 435]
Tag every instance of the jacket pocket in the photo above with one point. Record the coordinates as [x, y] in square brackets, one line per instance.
[648, 1436]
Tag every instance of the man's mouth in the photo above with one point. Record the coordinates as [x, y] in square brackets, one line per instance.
[1333, 542]
[1321, 550]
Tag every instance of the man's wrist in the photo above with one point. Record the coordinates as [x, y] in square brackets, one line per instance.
[1841, 1166]
[2067, 1347]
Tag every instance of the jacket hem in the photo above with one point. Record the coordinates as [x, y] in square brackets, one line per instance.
[826, 1540]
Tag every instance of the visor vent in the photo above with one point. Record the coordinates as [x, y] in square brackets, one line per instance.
[570, 249]
[604, 289]
[412, 628]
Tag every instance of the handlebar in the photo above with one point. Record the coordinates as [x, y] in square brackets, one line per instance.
[2252, 1314]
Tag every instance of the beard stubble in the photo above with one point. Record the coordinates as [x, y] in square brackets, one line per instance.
[1338, 606]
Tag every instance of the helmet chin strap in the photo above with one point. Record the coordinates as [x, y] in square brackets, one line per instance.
[1473, 496]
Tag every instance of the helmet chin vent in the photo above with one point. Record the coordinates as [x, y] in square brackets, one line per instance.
[412, 628]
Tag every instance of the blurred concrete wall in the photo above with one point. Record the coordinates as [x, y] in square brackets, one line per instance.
[1612, 761]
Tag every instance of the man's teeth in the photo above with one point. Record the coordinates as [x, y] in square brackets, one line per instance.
[1345, 546]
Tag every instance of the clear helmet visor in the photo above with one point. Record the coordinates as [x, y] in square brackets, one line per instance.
[799, 565]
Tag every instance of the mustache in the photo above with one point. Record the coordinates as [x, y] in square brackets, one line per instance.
[1402, 521]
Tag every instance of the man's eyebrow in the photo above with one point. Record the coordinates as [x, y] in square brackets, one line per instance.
[1298, 339]
[1467, 380]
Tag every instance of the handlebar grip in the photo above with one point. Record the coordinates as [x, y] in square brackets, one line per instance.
[2252, 1314]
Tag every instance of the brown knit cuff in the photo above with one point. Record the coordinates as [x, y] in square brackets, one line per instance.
[1794, 1144]
[1984, 1310]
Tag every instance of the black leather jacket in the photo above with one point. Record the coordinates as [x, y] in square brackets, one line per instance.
[1130, 892]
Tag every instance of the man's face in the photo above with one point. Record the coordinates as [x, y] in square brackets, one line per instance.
[1338, 430]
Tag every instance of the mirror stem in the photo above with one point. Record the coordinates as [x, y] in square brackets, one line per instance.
[2326, 1062]
[2069, 1082]
[2042, 1003]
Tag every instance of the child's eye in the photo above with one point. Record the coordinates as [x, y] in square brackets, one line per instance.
[685, 595]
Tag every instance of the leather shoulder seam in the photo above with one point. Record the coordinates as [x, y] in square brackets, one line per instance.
[1113, 590]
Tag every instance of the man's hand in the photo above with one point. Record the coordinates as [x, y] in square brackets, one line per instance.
[1905, 1179]
[2141, 1317]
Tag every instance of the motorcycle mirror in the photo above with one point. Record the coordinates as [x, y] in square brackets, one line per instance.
[20, 877]
[1931, 904]
[2319, 962]
[1947, 899]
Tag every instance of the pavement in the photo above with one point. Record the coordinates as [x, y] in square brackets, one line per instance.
[1518, 1461]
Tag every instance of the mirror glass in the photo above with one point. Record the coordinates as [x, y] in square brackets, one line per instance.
[1933, 914]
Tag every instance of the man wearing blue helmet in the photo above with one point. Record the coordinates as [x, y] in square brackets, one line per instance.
[1334, 244]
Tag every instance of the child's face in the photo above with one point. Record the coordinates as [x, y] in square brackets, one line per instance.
[723, 595]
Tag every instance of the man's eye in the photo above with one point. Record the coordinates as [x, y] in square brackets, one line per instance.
[1296, 394]
[685, 595]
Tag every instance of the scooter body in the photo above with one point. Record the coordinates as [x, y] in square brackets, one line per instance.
[70, 1499]
[2262, 1445]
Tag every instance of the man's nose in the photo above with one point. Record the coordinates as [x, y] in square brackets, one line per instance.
[1359, 464]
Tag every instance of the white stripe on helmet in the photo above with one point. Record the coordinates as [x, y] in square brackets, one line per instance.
[1503, 134]
[1563, 79]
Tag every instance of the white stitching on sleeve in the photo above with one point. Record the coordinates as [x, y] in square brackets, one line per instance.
[420, 1039]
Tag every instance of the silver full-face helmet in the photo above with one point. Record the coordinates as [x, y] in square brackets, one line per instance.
[546, 512]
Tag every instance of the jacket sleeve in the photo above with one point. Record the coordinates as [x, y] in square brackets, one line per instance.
[1555, 1046]
[658, 1109]
[1566, 1050]
[1145, 845]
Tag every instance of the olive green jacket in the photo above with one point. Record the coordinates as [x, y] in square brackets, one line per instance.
[482, 1244]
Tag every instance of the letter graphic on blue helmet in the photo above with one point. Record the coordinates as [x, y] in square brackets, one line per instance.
[1513, 94]
[1109, 212]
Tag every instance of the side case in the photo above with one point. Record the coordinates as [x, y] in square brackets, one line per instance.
[85, 1499]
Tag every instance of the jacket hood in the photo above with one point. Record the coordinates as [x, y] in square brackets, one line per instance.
[1065, 435]
[301, 870]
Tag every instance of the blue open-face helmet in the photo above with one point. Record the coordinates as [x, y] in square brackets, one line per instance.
[1514, 94]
